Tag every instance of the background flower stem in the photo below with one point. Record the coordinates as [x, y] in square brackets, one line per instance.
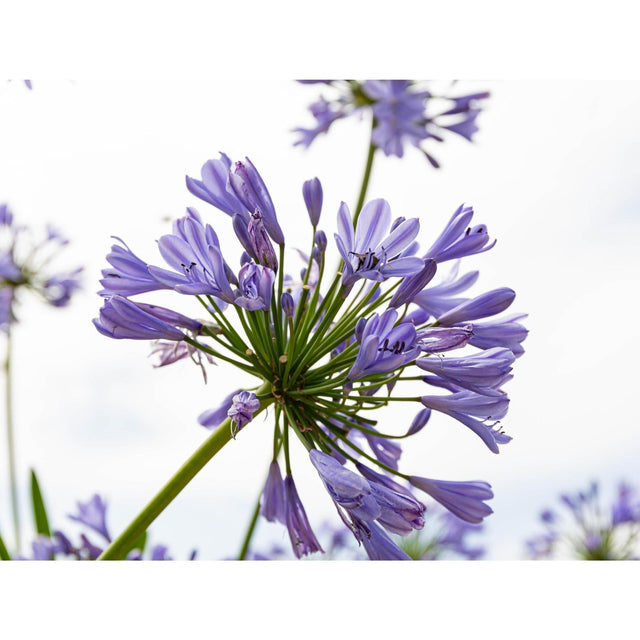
[119, 548]
[365, 177]
[11, 445]
[252, 527]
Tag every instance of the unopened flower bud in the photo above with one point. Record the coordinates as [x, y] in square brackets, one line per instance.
[288, 305]
[263, 249]
[321, 241]
[312, 193]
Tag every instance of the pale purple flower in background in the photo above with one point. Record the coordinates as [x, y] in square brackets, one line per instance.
[25, 265]
[403, 112]
[93, 515]
[586, 528]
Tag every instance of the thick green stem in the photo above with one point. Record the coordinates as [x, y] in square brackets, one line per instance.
[11, 444]
[365, 177]
[119, 548]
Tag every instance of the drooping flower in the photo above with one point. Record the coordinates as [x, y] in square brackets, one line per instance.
[474, 411]
[272, 504]
[303, 540]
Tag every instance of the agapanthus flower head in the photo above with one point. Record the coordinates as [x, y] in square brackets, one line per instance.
[24, 265]
[325, 356]
[403, 112]
[587, 528]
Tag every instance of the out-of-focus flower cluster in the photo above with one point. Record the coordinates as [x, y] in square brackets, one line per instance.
[403, 112]
[24, 265]
[585, 527]
[93, 516]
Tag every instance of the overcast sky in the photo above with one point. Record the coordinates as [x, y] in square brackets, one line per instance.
[553, 173]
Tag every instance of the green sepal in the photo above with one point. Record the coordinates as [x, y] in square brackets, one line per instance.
[39, 510]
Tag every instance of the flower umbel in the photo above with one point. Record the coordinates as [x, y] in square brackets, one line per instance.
[326, 355]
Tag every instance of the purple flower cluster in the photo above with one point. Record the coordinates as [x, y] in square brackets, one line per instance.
[586, 529]
[93, 516]
[403, 112]
[322, 355]
[24, 265]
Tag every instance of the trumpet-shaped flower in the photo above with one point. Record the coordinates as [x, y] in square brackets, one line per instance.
[384, 346]
[373, 251]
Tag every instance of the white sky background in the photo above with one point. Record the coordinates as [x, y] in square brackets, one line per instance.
[553, 173]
